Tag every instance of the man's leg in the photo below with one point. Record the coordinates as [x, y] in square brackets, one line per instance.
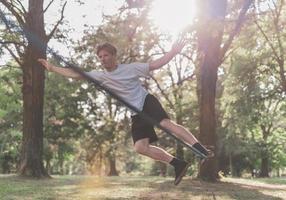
[185, 135]
[179, 131]
[143, 147]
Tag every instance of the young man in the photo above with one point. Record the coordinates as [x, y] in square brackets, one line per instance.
[123, 79]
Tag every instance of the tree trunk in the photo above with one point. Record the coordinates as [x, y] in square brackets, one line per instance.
[264, 166]
[31, 162]
[180, 151]
[208, 76]
[6, 166]
[278, 172]
[112, 165]
[209, 41]
[61, 160]
[163, 169]
[48, 166]
[231, 165]
[211, 51]
[179, 146]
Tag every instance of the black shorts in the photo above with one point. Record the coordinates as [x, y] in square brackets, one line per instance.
[141, 128]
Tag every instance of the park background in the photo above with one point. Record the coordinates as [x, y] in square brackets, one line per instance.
[228, 86]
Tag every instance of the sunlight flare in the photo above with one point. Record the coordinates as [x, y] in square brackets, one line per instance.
[172, 16]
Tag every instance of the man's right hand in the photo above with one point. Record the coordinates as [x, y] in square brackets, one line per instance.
[46, 64]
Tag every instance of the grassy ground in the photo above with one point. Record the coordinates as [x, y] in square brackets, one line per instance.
[108, 188]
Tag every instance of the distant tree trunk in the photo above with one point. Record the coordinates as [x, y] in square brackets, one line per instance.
[231, 165]
[6, 166]
[179, 148]
[31, 163]
[61, 160]
[180, 151]
[163, 169]
[112, 165]
[278, 172]
[224, 163]
[264, 166]
[48, 166]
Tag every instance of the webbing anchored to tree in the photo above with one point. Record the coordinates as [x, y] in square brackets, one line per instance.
[38, 43]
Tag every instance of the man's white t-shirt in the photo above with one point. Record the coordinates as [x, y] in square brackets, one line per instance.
[125, 82]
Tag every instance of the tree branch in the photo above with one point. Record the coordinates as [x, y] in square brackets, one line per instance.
[162, 92]
[13, 55]
[229, 53]
[49, 36]
[17, 46]
[50, 3]
[188, 57]
[11, 42]
[276, 25]
[22, 10]
[185, 79]
[237, 28]
[10, 7]
[268, 41]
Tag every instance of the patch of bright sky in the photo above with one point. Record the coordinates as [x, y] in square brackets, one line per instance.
[89, 13]
[169, 15]
[78, 15]
[264, 6]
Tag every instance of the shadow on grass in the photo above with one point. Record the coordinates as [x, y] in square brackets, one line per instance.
[220, 190]
[162, 188]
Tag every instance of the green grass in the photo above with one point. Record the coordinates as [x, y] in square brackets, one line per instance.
[113, 188]
[276, 181]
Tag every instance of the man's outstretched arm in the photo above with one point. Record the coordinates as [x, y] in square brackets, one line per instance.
[62, 71]
[176, 48]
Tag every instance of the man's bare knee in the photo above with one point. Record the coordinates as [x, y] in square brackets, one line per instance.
[141, 147]
[169, 124]
[165, 122]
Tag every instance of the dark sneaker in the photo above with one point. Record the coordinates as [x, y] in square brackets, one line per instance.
[180, 171]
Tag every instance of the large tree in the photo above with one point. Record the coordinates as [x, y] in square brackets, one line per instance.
[212, 48]
[26, 49]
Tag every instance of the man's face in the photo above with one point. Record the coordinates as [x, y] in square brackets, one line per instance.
[107, 60]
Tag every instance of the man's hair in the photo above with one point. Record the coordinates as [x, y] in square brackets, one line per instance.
[107, 47]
